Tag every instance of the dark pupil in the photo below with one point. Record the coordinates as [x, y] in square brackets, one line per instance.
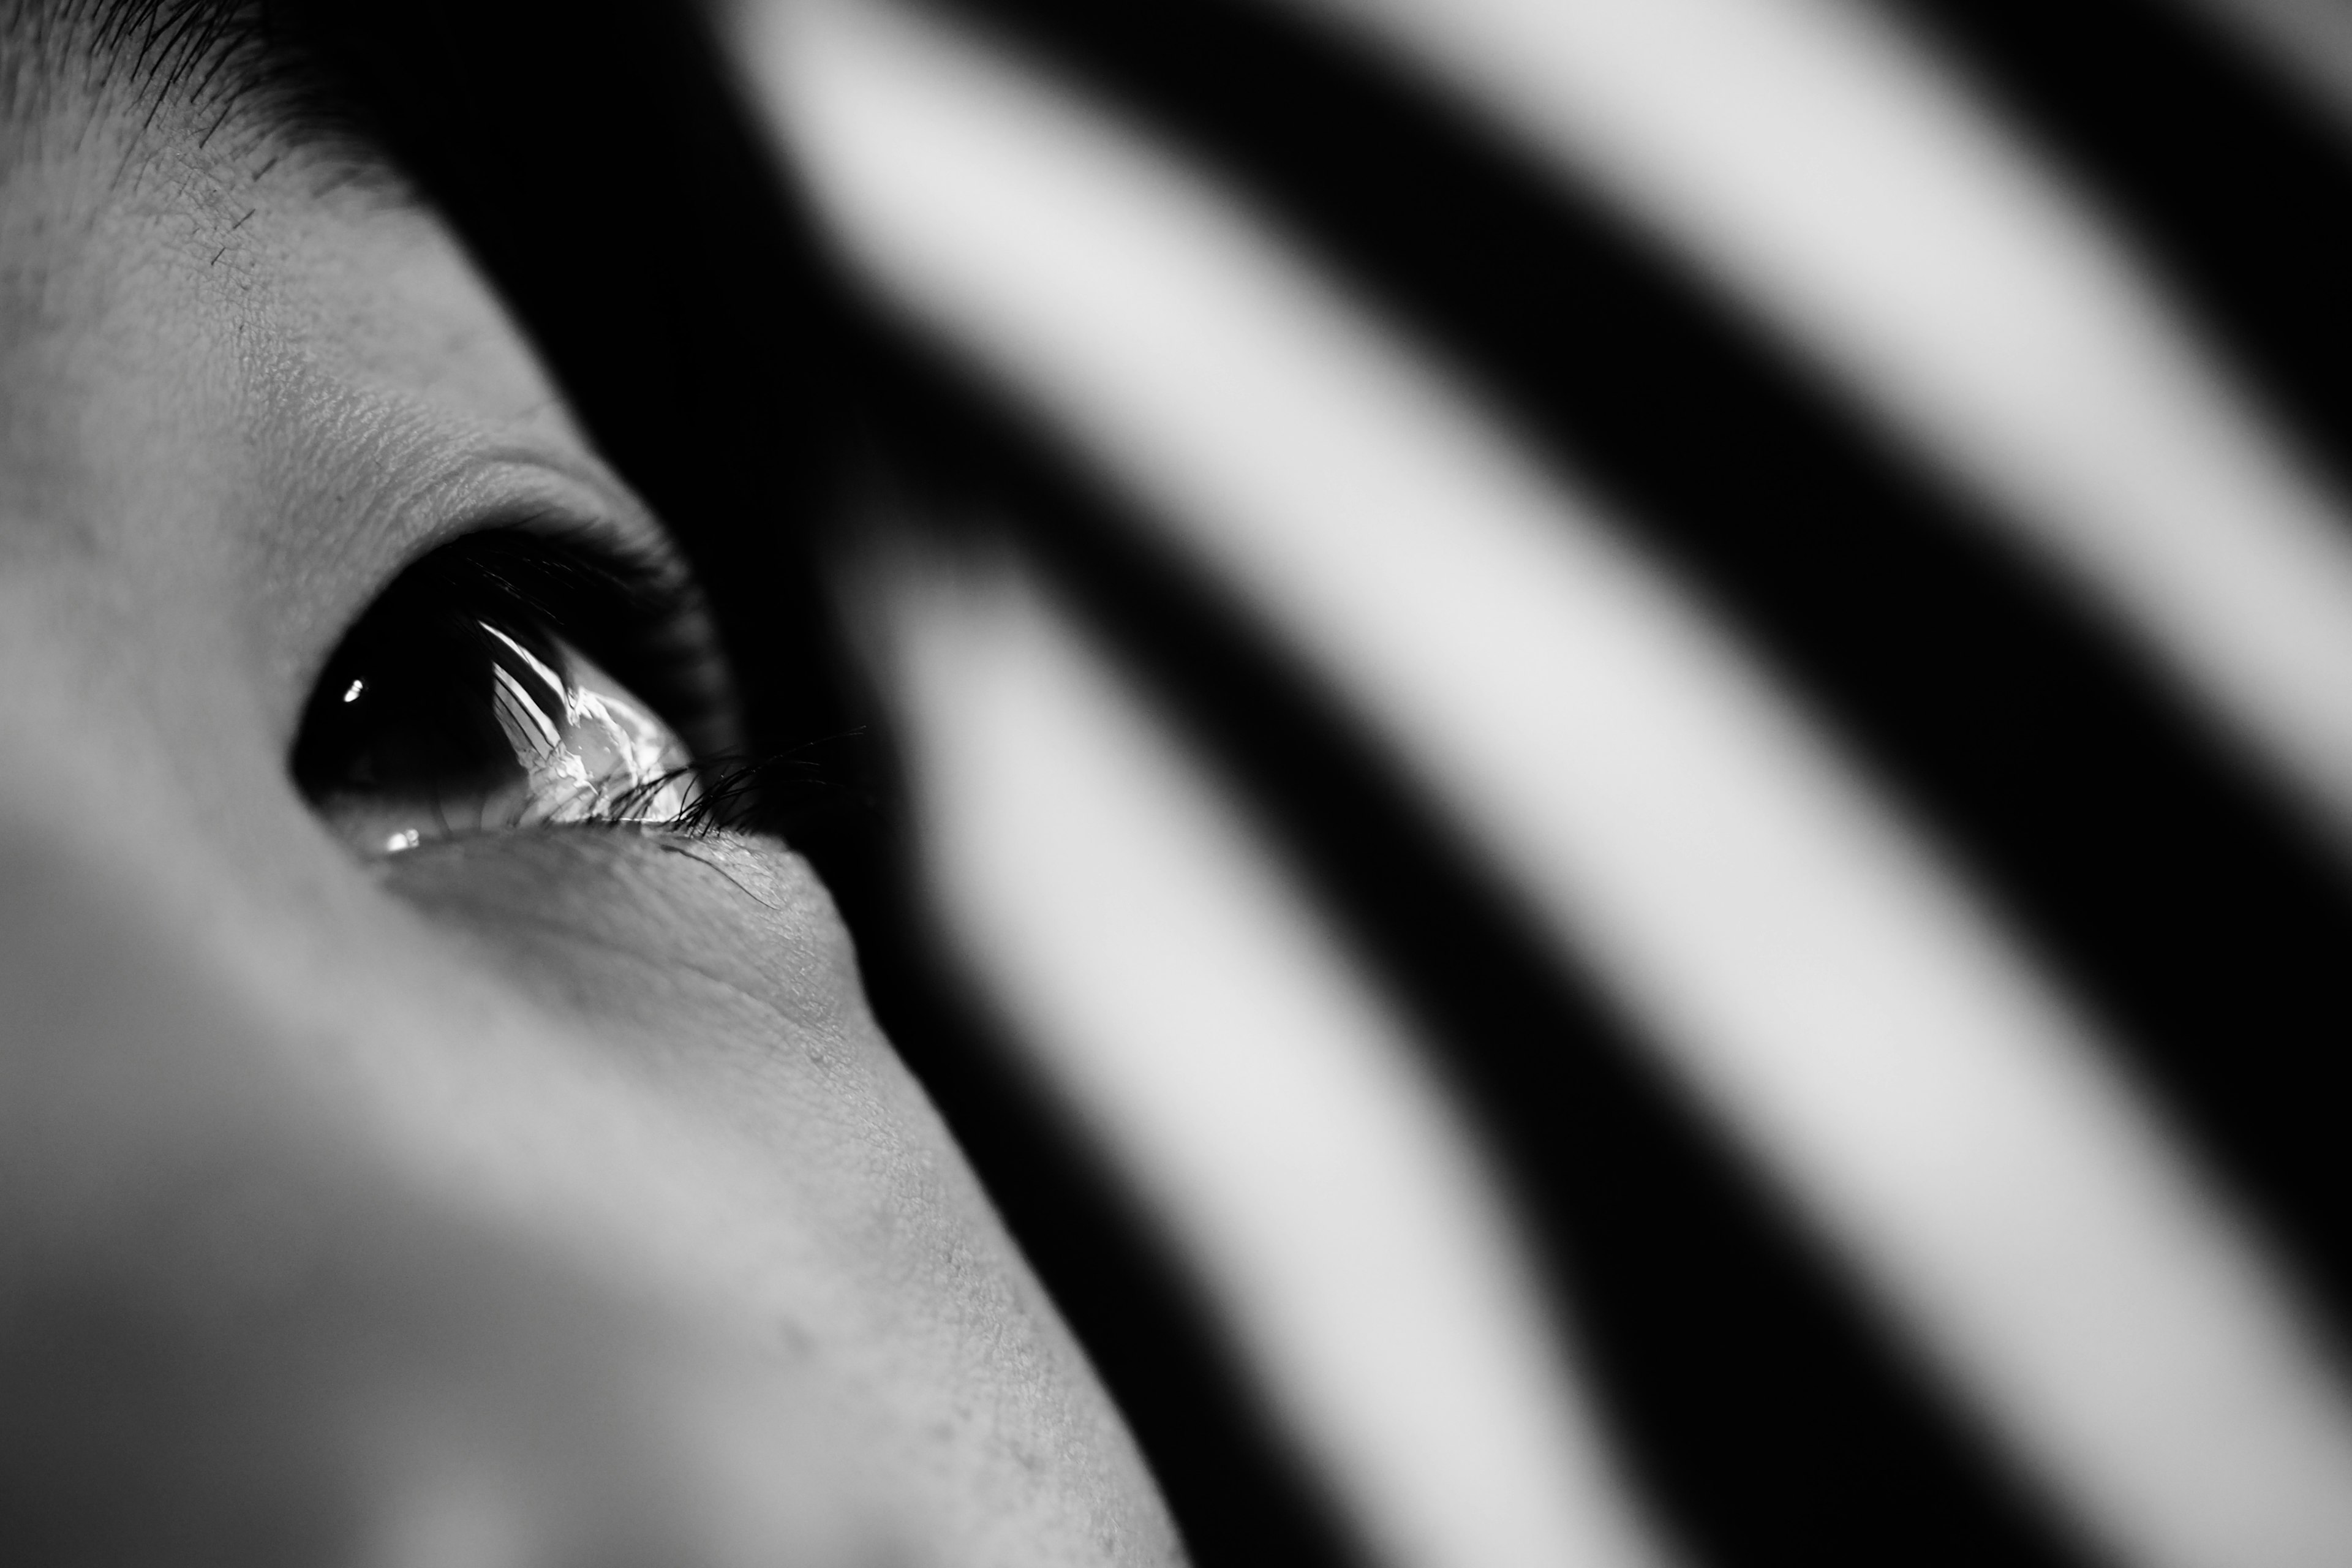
[405, 708]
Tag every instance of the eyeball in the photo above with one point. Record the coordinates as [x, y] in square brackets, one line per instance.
[455, 707]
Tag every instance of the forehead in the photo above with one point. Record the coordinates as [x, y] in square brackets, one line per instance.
[141, 135]
[232, 359]
[270, 295]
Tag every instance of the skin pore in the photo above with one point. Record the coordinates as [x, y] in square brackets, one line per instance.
[534, 1195]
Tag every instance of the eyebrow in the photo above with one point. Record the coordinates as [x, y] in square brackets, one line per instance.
[225, 68]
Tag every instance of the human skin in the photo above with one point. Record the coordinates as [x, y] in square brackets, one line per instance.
[541, 1196]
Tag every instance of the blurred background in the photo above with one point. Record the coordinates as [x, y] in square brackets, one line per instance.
[1603, 749]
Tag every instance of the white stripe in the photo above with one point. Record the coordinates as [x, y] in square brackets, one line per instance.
[1191, 1007]
[1846, 185]
[1828, 987]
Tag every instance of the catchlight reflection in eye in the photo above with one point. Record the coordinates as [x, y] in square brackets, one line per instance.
[589, 752]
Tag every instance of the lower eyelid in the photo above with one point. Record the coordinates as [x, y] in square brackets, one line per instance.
[714, 901]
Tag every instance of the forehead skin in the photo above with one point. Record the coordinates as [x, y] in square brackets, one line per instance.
[316, 377]
[545, 1196]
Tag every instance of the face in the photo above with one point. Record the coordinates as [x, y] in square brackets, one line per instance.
[395, 1167]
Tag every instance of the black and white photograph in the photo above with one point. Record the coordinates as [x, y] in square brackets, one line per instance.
[1175, 784]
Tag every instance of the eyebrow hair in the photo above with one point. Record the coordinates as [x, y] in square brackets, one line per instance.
[234, 66]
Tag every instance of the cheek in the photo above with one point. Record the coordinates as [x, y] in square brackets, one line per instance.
[711, 981]
[559, 1203]
[708, 983]
[243, 1318]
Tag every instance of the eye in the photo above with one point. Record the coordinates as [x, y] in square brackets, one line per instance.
[473, 695]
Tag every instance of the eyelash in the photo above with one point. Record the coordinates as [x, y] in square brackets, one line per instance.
[535, 635]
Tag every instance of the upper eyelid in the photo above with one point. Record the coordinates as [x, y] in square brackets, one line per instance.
[573, 501]
[569, 500]
[650, 560]
[622, 521]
